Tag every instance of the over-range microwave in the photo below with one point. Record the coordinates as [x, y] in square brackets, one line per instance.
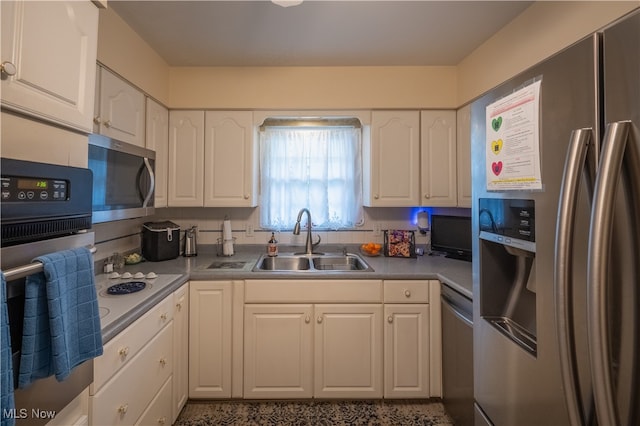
[123, 179]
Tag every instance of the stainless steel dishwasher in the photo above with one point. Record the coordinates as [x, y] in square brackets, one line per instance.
[457, 355]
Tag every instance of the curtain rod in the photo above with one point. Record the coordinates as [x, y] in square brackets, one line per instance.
[311, 122]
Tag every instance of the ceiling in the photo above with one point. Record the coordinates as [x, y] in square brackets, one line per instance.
[317, 32]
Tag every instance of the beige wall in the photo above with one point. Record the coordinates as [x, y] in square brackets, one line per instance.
[540, 31]
[313, 87]
[122, 50]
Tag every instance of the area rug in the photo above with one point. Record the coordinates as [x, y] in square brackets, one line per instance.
[320, 413]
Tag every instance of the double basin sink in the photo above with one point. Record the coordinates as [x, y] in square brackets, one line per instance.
[312, 263]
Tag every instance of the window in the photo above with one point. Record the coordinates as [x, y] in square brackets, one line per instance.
[317, 167]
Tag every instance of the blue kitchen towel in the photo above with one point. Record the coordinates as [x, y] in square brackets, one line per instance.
[7, 403]
[61, 317]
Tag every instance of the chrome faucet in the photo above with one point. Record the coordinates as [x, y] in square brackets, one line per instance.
[309, 245]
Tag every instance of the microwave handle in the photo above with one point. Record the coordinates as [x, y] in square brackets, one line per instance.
[152, 183]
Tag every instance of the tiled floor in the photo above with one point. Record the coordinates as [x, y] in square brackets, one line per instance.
[285, 413]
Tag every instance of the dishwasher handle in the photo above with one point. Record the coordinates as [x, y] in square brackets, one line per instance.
[459, 305]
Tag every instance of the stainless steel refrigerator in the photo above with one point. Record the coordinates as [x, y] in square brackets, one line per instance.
[556, 261]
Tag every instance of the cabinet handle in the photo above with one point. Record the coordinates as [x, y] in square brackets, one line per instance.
[8, 68]
[376, 196]
[107, 123]
[320, 320]
[97, 120]
[162, 420]
[123, 409]
[307, 319]
[390, 319]
[123, 352]
[179, 306]
[246, 196]
[163, 361]
[163, 317]
[407, 293]
[426, 196]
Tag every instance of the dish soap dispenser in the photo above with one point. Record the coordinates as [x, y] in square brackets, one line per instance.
[272, 246]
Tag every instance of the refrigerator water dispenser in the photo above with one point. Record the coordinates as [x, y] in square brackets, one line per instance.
[507, 269]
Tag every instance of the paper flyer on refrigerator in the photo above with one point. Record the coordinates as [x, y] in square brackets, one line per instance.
[512, 141]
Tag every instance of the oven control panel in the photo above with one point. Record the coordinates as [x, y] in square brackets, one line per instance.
[27, 189]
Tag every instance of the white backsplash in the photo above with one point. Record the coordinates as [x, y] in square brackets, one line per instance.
[125, 236]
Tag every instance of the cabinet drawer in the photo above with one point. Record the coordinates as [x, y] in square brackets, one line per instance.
[124, 347]
[125, 398]
[159, 411]
[406, 291]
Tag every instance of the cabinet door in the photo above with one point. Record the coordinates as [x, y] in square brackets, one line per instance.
[438, 158]
[229, 155]
[406, 351]
[121, 113]
[180, 383]
[157, 139]
[348, 351]
[210, 339]
[392, 171]
[278, 351]
[52, 45]
[463, 120]
[186, 159]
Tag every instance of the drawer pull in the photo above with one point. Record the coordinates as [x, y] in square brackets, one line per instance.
[163, 361]
[389, 319]
[407, 293]
[163, 317]
[123, 409]
[319, 320]
[123, 352]
[307, 319]
[162, 420]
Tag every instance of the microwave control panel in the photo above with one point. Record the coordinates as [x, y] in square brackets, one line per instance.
[28, 189]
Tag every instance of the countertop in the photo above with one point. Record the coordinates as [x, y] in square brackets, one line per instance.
[454, 273]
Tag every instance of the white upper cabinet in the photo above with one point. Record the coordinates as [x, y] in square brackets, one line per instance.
[186, 159]
[438, 154]
[157, 139]
[392, 160]
[48, 57]
[230, 159]
[121, 109]
[463, 119]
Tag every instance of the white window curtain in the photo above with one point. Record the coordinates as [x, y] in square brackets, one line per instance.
[317, 168]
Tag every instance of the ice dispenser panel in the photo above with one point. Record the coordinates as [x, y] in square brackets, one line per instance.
[507, 269]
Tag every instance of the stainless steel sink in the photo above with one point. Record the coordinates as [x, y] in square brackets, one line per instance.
[312, 263]
[283, 263]
[340, 263]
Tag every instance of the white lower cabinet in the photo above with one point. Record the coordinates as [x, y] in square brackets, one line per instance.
[412, 339]
[278, 357]
[297, 348]
[348, 351]
[210, 339]
[406, 351]
[180, 384]
[128, 393]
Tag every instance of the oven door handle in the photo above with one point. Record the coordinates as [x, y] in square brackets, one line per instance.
[29, 269]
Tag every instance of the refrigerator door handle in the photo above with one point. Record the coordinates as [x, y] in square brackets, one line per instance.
[618, 138]
[575, 166]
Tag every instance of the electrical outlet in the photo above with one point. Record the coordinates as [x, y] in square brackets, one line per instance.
[248, 230]
[376, 230]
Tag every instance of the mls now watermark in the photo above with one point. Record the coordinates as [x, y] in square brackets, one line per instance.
[23, 413]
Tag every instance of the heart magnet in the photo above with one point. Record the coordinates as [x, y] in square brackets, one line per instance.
[497, 168]
[496, 123]
[496, 146]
